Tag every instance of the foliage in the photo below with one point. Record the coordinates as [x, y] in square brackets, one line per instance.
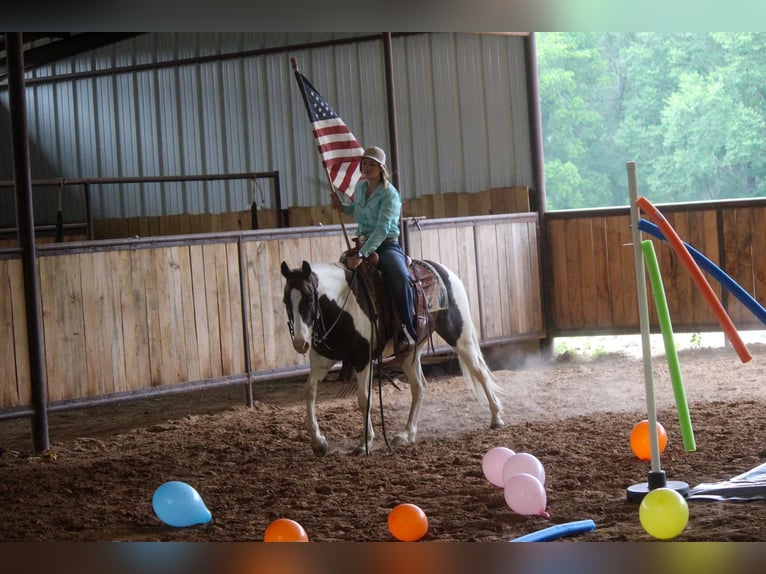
[688, 108]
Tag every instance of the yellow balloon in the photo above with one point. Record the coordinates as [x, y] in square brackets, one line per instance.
[664, 513]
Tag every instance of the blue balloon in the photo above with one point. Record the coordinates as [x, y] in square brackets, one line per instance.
[178, 504]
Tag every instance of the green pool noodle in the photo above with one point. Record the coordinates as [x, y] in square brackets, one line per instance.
[661, 303]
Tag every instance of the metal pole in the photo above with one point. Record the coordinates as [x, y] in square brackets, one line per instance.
[392, 130]
[26, 225]
[643, 316]
[245, 323]
[538, 200]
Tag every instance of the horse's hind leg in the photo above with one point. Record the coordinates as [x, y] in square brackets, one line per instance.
[416, 379]
[363, 399]
[477, 373]
[318, 370]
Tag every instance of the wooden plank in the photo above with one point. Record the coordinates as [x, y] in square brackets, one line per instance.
[156, 318]
[439, 210]
[184, 223]
[199, 302]
[119, 273]
[135, 326]
[327, 249]
[703, 237]
[574, 296]
[118, 228]
[188, 324]
[143, 227]
[176, 340]
[497, 200]
[466, 256]
[587, 270]
[516, 199]
[744, 259]
[210, 255]
[20, 332]
[489, 289]
[267, 313]
[98, 359]
[429, 244]
[253, 301]
[504, 276]
[450, 205]
[560, 312]
[464, 200]
[234, 296]
[600, 273]
[534, 291]
[689, 295]
[759, 258]
[63, 326]
[9, 391]
[292, 251]
[528, 309]
[415, 243]
[447, 247]
[621, 274]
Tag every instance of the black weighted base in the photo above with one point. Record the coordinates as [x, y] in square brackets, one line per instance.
[637, 492]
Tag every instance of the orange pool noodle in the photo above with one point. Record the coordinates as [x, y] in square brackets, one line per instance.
[702, 284]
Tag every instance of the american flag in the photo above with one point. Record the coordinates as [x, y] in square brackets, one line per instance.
[338, 148]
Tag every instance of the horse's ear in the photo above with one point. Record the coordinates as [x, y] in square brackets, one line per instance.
[306, 269]
[285, 269]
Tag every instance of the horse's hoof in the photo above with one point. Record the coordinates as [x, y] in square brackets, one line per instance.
[498, 424]
[361, 450]
[320, 447]
[401, 440]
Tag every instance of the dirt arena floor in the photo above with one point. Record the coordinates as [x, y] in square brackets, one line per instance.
[253, 465]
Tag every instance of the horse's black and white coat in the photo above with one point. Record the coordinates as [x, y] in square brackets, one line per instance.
[332, 324]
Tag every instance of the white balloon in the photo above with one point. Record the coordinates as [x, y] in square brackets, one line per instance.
[523, 462]
[492, 464]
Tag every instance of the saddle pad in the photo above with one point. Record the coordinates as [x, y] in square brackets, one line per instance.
[430, 282]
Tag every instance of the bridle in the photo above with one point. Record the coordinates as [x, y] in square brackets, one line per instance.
[317, 319]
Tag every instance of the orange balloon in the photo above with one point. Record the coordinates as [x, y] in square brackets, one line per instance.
[285, 530]
[407, 522]
[639, 440]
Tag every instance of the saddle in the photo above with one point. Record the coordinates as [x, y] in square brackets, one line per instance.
[430, 294]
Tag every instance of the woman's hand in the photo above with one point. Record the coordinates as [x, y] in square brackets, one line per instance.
[335, 201]
[354, 261]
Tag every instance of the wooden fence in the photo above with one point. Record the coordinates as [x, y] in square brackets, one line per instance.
[130, 317]
[590, 277]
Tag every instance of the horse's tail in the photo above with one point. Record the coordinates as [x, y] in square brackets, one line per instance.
[480, 380]
[477, 374]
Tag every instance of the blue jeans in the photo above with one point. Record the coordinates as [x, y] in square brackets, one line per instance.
[393, 267]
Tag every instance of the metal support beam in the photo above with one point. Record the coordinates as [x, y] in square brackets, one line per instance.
[26, 225]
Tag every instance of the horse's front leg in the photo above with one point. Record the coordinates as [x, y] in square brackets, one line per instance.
[319, 367]
[416, 379]
[363, 399]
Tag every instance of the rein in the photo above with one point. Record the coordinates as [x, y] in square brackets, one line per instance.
[318, 319]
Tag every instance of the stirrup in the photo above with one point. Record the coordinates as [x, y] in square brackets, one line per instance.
[405, 341]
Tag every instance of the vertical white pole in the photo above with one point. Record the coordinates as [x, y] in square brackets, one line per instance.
[643, 315]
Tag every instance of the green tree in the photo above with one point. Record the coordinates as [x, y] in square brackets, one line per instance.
[689, 108]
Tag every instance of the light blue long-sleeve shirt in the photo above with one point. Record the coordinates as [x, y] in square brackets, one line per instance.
[377, 217]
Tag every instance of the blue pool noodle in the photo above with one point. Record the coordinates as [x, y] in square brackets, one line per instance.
[553, 532]
[727, 282]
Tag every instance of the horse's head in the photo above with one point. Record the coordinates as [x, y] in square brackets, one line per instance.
[301, 303]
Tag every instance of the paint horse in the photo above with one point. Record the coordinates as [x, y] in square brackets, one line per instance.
[331, 318]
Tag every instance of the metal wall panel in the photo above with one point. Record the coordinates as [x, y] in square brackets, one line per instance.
[461, 106]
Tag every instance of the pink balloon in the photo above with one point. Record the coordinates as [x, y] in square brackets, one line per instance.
[525, 495]
[492, 464]
[523, 462]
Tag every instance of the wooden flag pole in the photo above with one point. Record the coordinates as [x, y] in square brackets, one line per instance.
[340, 213]
[294, 64]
